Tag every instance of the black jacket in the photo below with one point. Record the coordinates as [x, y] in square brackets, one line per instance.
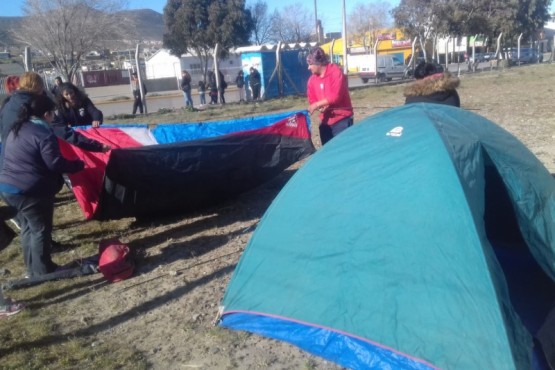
[186, 83]
[254, 79]
[8, 115]
[79, 116]
[440, 89]
[32, 161]
[10, 110]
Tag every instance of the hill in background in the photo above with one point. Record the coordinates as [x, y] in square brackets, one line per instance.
[149, 26]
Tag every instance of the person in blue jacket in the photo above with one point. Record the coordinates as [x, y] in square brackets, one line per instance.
[74, 108]
[30, 177]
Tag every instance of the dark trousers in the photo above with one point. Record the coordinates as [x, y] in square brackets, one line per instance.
[329, 132]
[138, 103]
[36, 217]
[255, 92]
[214, 96]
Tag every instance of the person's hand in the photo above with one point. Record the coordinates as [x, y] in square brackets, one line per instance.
[95, 124]
[316, 107]
[106, 148]
[313, 107]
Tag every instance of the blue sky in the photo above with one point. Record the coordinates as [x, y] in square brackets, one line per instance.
[329, 11]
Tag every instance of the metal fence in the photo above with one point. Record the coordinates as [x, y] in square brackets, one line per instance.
[104, 78]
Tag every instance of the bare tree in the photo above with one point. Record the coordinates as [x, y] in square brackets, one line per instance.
[66, 30]
[430, 18]
[417, 19]
[293, 24]
[262, 23]
[366, 20]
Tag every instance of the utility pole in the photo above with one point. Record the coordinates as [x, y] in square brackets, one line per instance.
[345, 66]
[140, 76]
[316, 22]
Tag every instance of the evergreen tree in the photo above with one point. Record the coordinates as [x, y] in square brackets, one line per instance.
[196, 26]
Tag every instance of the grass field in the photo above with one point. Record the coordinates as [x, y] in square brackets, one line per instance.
[162, 318]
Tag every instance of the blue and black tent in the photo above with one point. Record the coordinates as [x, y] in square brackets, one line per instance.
[421, 238]
[182, 167]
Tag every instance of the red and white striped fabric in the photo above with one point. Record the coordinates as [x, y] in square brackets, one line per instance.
[87, 184]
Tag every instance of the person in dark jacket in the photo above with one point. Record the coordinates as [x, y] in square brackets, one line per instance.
[240, 82]
[255, 83]
[222, 87]
[212, 87]
[54, 90]
[31, 85]
[432, 86]
[30, 177]
[74, 108]
[8, 306]
[186, 88]
[202, 92]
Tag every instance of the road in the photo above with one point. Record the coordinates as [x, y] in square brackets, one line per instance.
[111, 99]
[116, 100]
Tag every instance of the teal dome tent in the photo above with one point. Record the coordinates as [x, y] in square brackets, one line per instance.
[421, 238]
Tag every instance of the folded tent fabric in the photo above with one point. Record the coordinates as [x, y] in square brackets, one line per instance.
[87, 184]
[185, 166]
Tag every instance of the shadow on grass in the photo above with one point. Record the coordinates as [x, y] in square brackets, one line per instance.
[52, 340]
[249, 207]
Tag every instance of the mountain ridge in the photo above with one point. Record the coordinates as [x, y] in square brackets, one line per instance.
[149, 26]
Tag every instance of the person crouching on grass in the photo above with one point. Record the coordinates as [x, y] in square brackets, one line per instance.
[31, 176]
[328, 93]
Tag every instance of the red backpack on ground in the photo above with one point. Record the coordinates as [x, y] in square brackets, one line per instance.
[115, 261]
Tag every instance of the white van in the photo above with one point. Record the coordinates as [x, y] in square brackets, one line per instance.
[388, 67]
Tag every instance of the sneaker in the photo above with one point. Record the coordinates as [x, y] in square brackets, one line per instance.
[15, 224]
[11, 308]
[67, 181]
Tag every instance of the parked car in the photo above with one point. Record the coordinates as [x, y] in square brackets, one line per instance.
[527, 55]
[482, 57]
[388, 67]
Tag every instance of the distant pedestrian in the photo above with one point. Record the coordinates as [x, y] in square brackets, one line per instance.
[248, 94]
[213, 87]
[186, 88]
[223, 86]
[255, 83]
[240, 81]
[135, 87]
[202, 92]
[54, 90]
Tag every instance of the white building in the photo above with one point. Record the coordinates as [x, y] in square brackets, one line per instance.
[162, 65]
